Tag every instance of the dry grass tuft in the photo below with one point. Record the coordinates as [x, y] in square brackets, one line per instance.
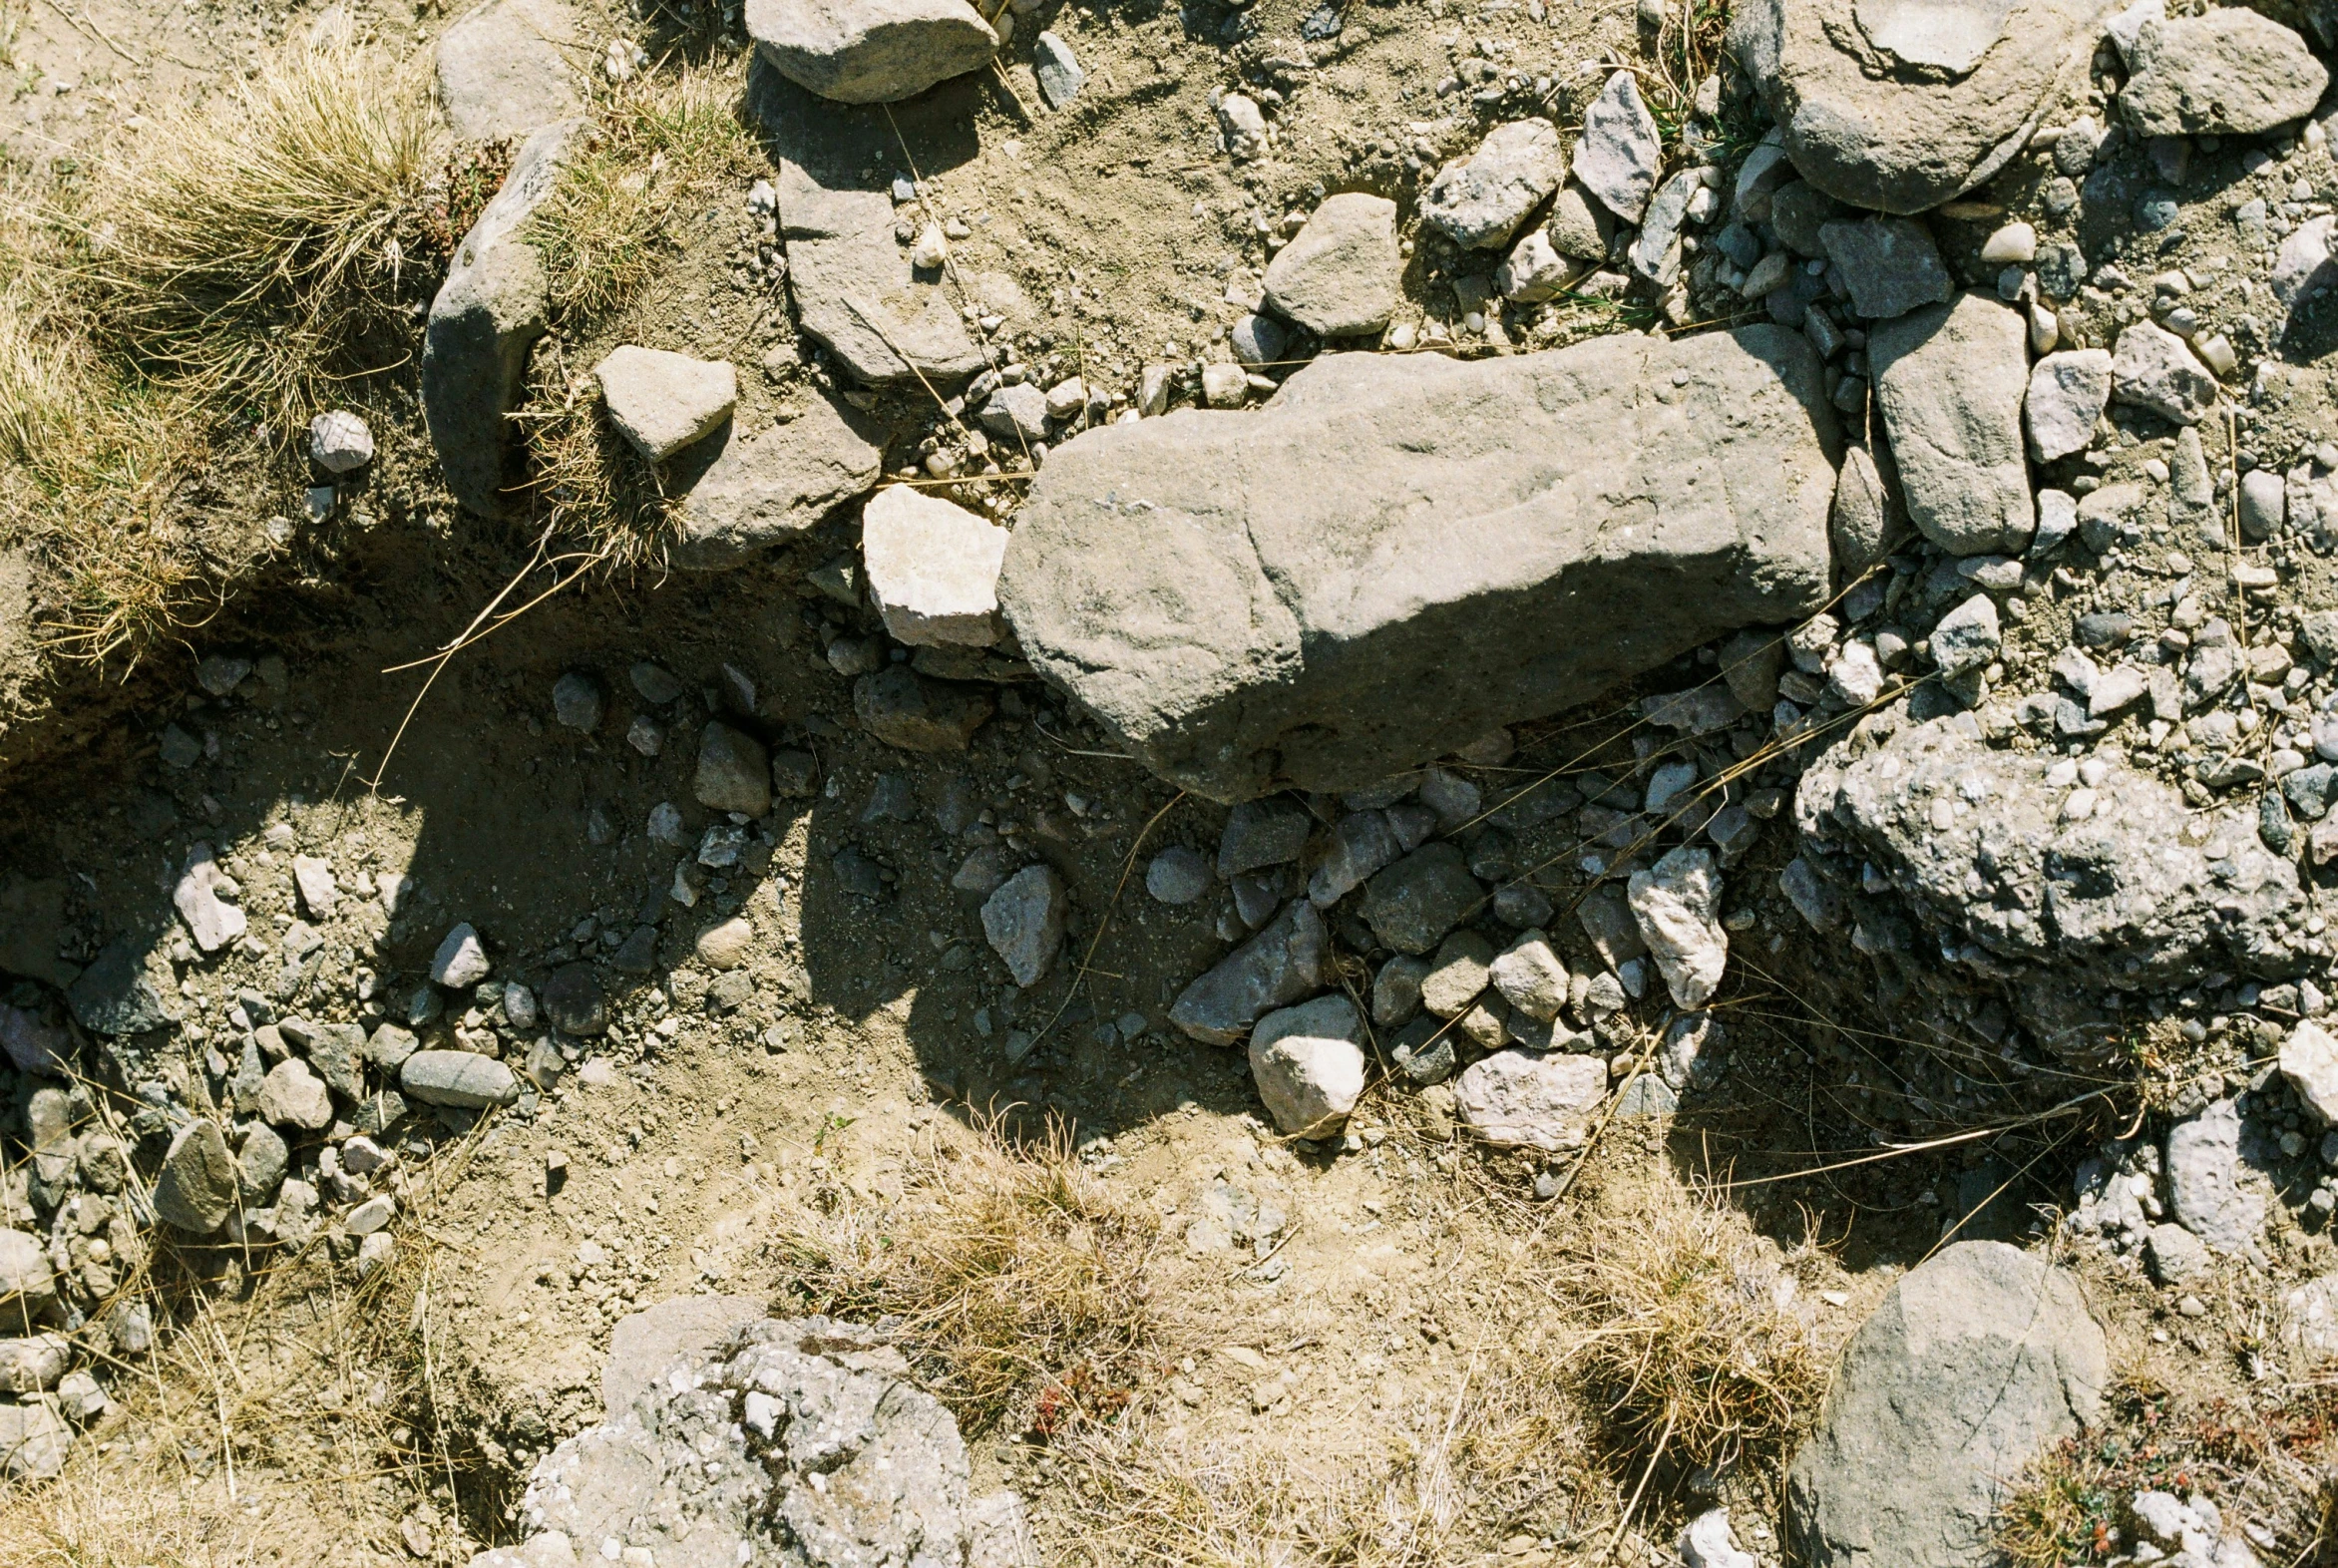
[662, 149]
[1020, 1286]
[253, 252]
[1693, 1344]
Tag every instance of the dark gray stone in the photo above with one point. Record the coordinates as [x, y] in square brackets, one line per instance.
[196, 1187]
[573, 1000]
[1415, 903]
[113, 995]
[1263, 833]
[1890, 265]
[1274, 968]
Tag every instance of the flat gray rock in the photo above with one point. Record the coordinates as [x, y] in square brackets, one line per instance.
[870, 51]
[504, 70]
[2229, 72]
[1412, 904]
[1949, 380]
[903, 708]
[1480, 200]
[1307, 1065]
[1971, 1367]
[1023, 921]
[1620, 151]
[2155, 369]
[1867, 519]
[2214, 1190]
[1058, 71]
[1341, 273]
[1366, 573]
[646, 1343]
[1890, 265]
[661, 401]
[2067, 393]
[754, 492]
[195, 1189]
[734, 771]
[484, 321]
[459, 1078]
[855, 291]
[1276, 967]
[1897, 106]
[933, 568]
[114, 995]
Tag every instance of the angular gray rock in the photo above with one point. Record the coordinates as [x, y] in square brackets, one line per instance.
[1655, 255]
[870, 51]
[1866, 519]
[2213, 1189]
[904, 709]
[573, 1000]
[457, 1077]
[2229, 72]
[661, 401]
[1677, 903]
[933, 568]
[1579, 228]
[1898, 105]
[1949, 380]
[1308, 1065]
[1480, 200]
[1890, 265]
[2063, 918]
[114, 995]
[800, 1443]
[1276, 967]
[1365, 573]
[33, 1441]
[504, 70]
[2155, 369]
[1620, 151]
[766, 488]
[460, 961]
[2067, 393]
[1023, 921]
[577, 702]
[1411, 905]
[484, 320]
[1060, 77]
[734, 771]
[2302, 265]
[1523, 1099]
[199, 896]
[1968, 637]
[339, 442]
[1973, 1364]
[1341, 274]
[196, 1188]
[293, 1096]
[28, 1286]
[1263, 833]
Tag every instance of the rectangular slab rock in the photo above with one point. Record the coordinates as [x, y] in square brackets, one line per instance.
[1397, 556]
[1950, 380]
[766, 488]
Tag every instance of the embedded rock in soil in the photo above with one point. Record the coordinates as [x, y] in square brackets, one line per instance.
[734, 771]
[460, 961]
[113, 996]
[870, 51]
[2229, 72]
[195, 1189]
[798, 1443]
[1519, 1098]
[1307, 1066]
[1974, 1364]
[661, 401]
[1867, 520]
[27, 1284]
[1949, 380]
[1413, 902]
[32, 913]
[33, 1441]
[573, 1001]
[2066, 917]
[1364, 574]
[1678, 906]
[1900, 106]
[501, 71]
[1341, 273]
[1277, 967]
[210, 919]
[293, 1096]
[484, 320]
[1023, 921]
[933, 568]
[2067, 393]
[2155, 369]
[1480, 200]
[459, 1078]
[1890, 265]
[2217, 1184]
[1619, 153]
[757, 491]
[904, 709]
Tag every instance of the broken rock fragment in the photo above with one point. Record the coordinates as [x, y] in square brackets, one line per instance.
[1949, 379]
[870, 51]
[1521, 1098]
[766, 488]
[1341, 273]
[1367, 574]
[662, 401]
[1277, 967]
[2228, 72]
[1307, 1066]
[1480, 200]
[933, 568]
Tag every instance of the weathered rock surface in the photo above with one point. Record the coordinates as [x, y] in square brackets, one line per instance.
[1308, 1065]
[2067, 917]
[1366, 573]
[1412, 904]
[2155, 369]
[2229, 72]
[1678, 905]
[1890, 265]
[1900, 105]
[933, 568]
[502, 70]
[33, 1441]
[1276, 967]
[485, 319]
[1620, 151]
[797, 1443]
[1970, 1368]
[1023, 921]
[1341, 275]
[1480, 200]
[1949, 379]
[201, 897]
[1519, 1098]
[2216, 1186]
[661, 401]
[2067, 393]
[902, 708]
[763, 489]
[870, 51]
[195, 1189]
[734, 771]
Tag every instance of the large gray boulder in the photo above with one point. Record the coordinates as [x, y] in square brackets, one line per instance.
[484, 321]
[798, 1443]
[1971, 1365]
[756, 491]
[1949, 379]
[2230, 72]
[504, 70]
[1937, 845]
[870, 51]
[1900, 105]
[1397, 556]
